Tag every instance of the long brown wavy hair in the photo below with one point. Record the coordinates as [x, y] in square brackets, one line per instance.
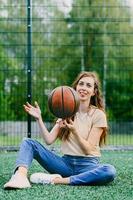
[96, 100]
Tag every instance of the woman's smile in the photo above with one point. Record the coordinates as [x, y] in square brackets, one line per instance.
[85, 88]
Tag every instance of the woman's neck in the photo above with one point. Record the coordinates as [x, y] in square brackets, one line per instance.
[83, 108]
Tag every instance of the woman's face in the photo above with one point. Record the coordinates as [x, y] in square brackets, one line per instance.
[85, 88]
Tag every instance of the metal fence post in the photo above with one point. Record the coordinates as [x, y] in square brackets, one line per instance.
[29, 61]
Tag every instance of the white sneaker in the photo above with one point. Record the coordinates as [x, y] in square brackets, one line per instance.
[44, 178]
[17, 181]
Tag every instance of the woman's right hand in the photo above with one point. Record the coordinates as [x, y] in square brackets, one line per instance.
[33, 110]
[61, 123]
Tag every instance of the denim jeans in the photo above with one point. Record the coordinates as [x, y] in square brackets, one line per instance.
[81, 170]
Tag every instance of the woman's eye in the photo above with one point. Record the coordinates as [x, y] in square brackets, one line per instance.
[81, 83]
[88, 85]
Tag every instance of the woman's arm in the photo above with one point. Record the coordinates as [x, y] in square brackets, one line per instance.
[49, 137]
[90, 142]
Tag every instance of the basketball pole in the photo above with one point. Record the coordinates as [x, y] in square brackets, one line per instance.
[29, 62]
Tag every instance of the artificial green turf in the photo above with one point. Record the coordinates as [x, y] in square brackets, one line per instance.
[120, 189]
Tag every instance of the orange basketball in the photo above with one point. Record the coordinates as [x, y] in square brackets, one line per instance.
[63, 102]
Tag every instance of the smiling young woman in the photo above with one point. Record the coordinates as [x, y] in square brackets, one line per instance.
[81, 137]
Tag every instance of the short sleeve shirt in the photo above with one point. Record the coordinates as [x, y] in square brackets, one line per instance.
[84, 123]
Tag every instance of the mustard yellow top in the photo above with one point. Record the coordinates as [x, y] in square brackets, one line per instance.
[84, 123]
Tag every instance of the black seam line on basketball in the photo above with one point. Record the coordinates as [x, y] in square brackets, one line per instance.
[50, 103]
[75, 103]
[62, 101]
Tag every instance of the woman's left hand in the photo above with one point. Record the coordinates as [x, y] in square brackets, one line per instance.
[70, 125]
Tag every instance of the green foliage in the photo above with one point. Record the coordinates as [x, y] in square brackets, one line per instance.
[93, 35]
[103, 29]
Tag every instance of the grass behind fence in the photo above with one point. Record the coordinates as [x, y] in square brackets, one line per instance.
[120, 189]
[113, 139]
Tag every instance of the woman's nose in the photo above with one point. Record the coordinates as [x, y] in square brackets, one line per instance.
[84, 87]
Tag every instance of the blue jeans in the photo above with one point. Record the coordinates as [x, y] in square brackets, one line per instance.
[81, 170]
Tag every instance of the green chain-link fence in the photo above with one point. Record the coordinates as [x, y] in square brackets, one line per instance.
[46, 43]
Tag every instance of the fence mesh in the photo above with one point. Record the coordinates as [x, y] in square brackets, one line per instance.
[66, 37]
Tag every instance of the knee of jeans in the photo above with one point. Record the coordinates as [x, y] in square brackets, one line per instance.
[111, 171]
[28, 141]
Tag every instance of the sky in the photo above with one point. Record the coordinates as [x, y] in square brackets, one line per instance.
[64, 5]
[131, 3]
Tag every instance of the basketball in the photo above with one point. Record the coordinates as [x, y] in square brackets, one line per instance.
[63, 102]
